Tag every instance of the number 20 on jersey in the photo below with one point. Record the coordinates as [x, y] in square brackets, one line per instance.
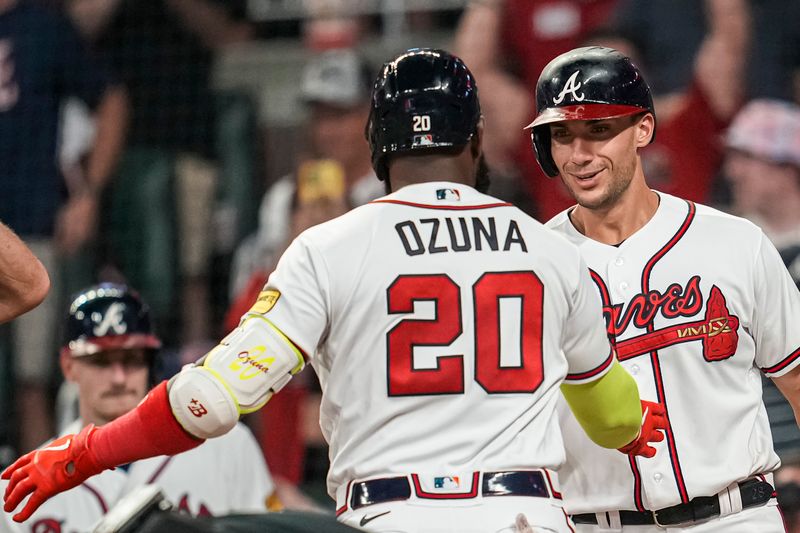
[447, 325]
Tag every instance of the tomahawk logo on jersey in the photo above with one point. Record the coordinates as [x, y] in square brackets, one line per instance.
[717, 329]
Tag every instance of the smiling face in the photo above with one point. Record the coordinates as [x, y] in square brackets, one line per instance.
[597, 159]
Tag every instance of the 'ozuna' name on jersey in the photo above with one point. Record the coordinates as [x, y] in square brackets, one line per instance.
[459, 234]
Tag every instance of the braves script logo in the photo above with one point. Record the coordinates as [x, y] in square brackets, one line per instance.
[112, 320]
[717, 330]
[571, 87]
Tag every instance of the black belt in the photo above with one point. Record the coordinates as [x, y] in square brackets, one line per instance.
[753, 491]
[514, 483]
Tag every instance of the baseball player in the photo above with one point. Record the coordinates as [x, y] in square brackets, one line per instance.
[696, 303]
[440, 321]
[110, 353]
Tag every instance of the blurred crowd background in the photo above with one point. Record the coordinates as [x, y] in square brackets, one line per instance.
[179, 145]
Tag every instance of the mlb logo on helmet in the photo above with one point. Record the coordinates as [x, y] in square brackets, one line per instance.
[423, 140]
[448, 194]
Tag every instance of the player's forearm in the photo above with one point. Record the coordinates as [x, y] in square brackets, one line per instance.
[477, 38]
[608, 409]
[147, 431]
[722, 59]
[24, 282]
[112, 118]
[789, 385]
[210, 22]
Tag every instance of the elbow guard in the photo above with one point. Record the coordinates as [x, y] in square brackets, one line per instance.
[238, 376]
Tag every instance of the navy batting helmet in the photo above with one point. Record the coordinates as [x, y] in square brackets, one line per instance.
[588, 83]
[108, 316]
[423, 99]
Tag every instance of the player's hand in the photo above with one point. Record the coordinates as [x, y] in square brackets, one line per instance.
[654, 420]
[63, 464]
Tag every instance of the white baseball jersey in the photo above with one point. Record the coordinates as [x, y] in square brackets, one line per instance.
[438, 320]
[223, 475]
[697, 303]
[74, 511]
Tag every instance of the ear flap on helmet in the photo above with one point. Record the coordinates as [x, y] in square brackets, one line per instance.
[540, 137]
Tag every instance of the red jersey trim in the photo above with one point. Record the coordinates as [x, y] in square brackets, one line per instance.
[160, 470]
[553, 491]
[344, 506]
[660, 390]
[100, 500]
[591, 373]
[444, 207]
[783, 364]
[446, 496]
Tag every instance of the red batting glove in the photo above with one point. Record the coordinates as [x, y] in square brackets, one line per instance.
[654, 419]
[42, 473]
[148, 430]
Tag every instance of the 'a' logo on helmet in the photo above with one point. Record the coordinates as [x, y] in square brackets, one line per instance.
[571, 87]
[111, 320]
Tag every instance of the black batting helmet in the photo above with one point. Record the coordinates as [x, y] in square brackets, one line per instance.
[423, 99]
[588, 83]
[108, 316]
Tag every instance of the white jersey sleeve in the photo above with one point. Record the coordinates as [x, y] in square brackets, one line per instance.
[301, 273]
[585, 338]
[777, 307]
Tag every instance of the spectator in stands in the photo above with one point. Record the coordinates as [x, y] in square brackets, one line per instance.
[507, 43]
[163, 50]
[110, 353]
[335, 88]
[676, 162]
[762, 165]
[42, 62]
[669, 33]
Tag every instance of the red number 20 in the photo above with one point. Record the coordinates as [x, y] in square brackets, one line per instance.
[446, 327]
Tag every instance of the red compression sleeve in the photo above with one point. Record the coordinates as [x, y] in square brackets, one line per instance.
[147, 431]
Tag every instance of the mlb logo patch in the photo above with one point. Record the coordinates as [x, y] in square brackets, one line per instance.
[423, 140]
[446, 482]
[448, 194]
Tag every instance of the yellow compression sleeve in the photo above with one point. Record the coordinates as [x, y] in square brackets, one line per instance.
[608, 409]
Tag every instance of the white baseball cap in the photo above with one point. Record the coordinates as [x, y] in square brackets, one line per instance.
[768, 129]
[336, 77]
